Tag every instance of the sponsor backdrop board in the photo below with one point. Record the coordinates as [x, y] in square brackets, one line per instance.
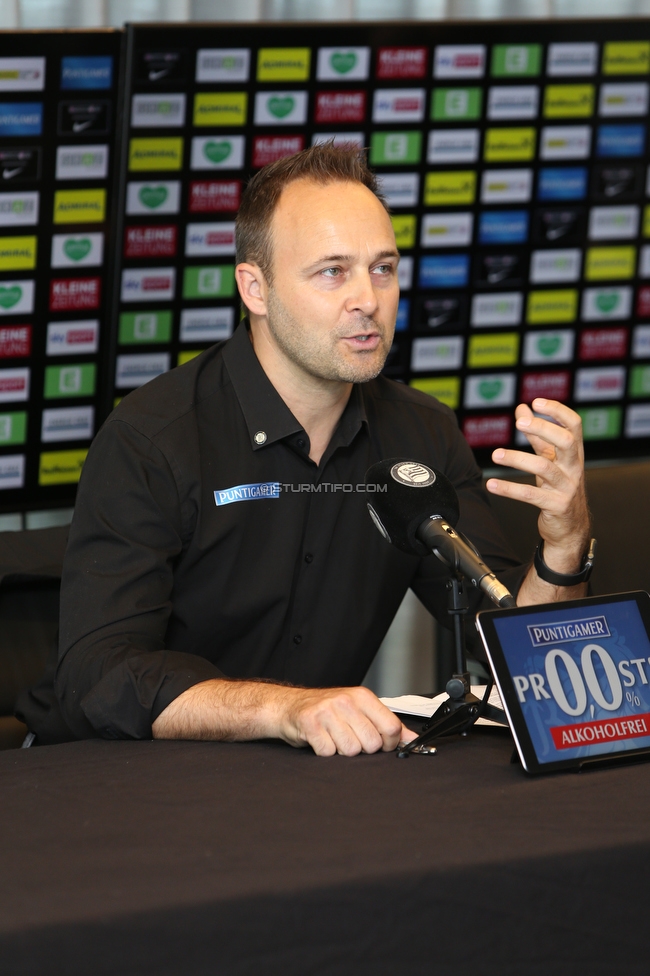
[58, 119]
[514, 158]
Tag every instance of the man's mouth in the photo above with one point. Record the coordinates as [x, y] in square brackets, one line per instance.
[363, 340]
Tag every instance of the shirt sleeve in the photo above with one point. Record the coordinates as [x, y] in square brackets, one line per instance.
[115, 675]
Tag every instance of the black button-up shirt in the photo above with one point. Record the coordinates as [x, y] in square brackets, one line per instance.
[205, 542]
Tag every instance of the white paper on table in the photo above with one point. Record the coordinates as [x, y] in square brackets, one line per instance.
[425, 707]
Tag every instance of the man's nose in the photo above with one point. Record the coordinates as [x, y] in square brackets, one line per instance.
[362, 295]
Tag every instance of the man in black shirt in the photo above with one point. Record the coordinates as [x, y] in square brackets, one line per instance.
[222, 567]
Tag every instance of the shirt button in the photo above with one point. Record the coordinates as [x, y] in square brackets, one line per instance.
[309, 558]
[260, 437]
[300, 442]
[297, 639]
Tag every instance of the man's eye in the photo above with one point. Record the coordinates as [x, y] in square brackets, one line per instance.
[384, 269]
[331, 272]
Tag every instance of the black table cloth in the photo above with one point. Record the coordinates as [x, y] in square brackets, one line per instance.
[130, 858]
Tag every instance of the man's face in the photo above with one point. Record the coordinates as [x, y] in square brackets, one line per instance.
[333, 302]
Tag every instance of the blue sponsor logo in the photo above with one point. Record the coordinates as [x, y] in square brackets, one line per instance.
[503, 227]
[21, 118]
[87, 72]
[403, 315]
[562, 183]
[571, 630]
[444, 271]
[621, 140]
[247, 493]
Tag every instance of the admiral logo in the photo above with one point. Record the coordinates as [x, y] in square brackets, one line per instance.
[610, 262]
[565, 142]
[81, 162]
[548, 347]
[604, 383]
[215, 196]
[601, 423]
[155, 111]
[436, 313]
[148, 284]
[503, 227]
[395, 147]
[606, 303]
[71, 294]
[22, 74]
[547, 267]
[344, 106]
[401, 62]
[641, 342]
[14, 385]
[487, 431]
[17, 253]
[542, 635]
[259, 490]
[356, 139]
[89, 72]
[85, 250]
[500, 308]
[400, 189]
[398, 105]
[551, 306]
[516, 59]
[513, 102]
[624, 99]
[205, 240]
[446, 271]
[490, 390]
[135, 370]
[568, 183]
[341, 63]
[453, 146]
[611, 223]
[572, 59]
[506, 185]
[644, 262]
[268, 149]
[211, 281]
[220, 108]
[499, 269]
[21, 118]
[553, 386]
[156, 154]
[157, 241]
[79, 206]
[509, 144]
[449, 188]
[15, 341]
[637, 421]
[405, 272]
[283, 64]
[501, 349]
[446, 389]
[447, 230]
[206, 324]
[621, 140]
[13, 430]
[569, 101]
[77, 118]
[20, 164]
[223, 64]
[150, 198]
[16, 297]
[160, 66]
[437, 354]
[617, 183]
[603, 344]
[143, 327]
[459, 61]
[12, 471]
[217, 152]
[626, 58]
[70, 338]
[67, 424]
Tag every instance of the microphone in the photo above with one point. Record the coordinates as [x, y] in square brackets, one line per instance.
[416, 509]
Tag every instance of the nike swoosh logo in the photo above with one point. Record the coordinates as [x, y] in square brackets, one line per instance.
[494, 277]
[557, 232]
[613, 189]
[80, 126]
[156, 75]
[8, 173]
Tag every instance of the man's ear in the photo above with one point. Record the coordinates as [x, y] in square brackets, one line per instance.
[252, 287]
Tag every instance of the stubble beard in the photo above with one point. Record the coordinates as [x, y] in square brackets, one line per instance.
[319, 357]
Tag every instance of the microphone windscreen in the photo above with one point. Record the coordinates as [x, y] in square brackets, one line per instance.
[402, 494]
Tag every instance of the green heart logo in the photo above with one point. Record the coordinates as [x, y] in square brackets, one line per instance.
[343, 61]
[607, 301]
[489, 389]
[152, 196]
[10, 296]
[548, 345]
[77, 249]
[281, 107]
[216, 152]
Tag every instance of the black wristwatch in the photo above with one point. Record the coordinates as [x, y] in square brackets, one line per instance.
[564, 579]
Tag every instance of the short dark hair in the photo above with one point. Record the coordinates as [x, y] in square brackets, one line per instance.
[322, 164]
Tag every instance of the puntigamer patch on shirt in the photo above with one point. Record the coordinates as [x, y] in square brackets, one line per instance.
[246, 493]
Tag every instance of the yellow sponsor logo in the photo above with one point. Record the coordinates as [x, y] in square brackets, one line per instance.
[17, 252]
[626, 58]
[568, 101]
[153, 154]
[610, 262]
[551, 306]
[187, 356]
[510, 144]
[283, 64]
[61, 467]
[220, 108]
[443, 388]
[404, 228]
[646, 221]
[501, 349]
[444, 188]
[79, 206]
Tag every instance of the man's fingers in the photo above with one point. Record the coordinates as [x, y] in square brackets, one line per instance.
[345, 720]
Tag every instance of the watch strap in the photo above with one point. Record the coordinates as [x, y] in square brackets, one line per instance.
[564, 579]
